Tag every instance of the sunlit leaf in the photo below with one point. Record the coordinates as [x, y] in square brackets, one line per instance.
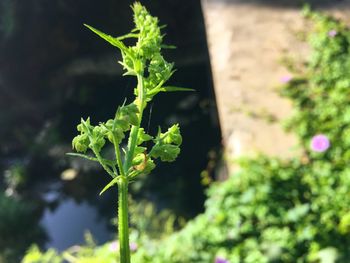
[173, 88]
[168, 46]
[83, 156]
[109, 185]
[112, 40]
[108, 162]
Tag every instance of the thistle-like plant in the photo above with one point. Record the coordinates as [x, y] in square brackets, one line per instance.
[144, 61]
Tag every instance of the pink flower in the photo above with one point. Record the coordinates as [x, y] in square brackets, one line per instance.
[113, 246]
[285, 79]
[319, 143]
[133, 246]
[221, 260]
[332, 33]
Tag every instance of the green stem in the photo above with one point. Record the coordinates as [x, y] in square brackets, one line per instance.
[103, 164]
[135, 128]
[97, 154]
[123, 225]
[119, 158]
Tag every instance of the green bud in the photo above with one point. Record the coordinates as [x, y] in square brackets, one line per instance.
[122, 124]
[139, 149]
[129, 113]
[159, 71]
[80, 127]
[108, 125]
[173, 135]
[118, 123]
[97, 143]
[150, 38]
[142, 163]
[85, 125]
[98, 131]
[127, 61]
[166, 152]
[97, 140]
[80, 143]
[117, 133]
[143, 137]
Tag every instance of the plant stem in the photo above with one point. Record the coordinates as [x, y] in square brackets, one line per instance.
[135, 129]
[105, 167]
[118, 158]
[123, 225]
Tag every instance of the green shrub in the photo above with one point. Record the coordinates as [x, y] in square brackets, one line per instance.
[270, 211]
[321, 95]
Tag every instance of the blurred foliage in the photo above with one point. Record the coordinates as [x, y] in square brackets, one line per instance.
[14, 178]
[34, 255]
[268, 212]
[146, 220]
[276, 210]
[18, 227]
[321, 95]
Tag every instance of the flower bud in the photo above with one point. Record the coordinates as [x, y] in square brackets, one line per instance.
[166, 152]
[80, 143]
[173, 135]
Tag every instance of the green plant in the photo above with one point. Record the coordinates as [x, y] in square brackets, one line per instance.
[34, 255]
[144, 61]
[321, 95]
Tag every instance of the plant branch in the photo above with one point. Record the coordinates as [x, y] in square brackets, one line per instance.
[135, 128]
[104, 165]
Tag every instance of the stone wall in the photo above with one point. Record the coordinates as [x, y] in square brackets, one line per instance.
[248, 40]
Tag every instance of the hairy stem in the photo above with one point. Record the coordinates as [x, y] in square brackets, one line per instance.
[103, 164]
[123, 225]
[135, 128]
[119, 158]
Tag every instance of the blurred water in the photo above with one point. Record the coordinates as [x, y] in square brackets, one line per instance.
[67, 224]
